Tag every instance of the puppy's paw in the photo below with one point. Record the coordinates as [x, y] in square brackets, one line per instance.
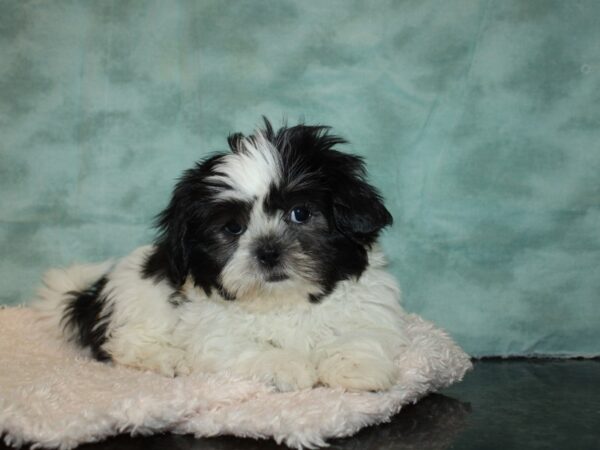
[165, 360]
[357, 372]
[287, 371]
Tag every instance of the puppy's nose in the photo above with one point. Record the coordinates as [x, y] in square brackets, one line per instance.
[268, 256]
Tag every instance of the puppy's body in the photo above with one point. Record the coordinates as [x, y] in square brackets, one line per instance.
[266, 266]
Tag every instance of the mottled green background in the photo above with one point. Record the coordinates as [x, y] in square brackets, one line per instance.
[479, 121]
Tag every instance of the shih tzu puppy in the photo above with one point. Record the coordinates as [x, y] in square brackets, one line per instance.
[266, 265]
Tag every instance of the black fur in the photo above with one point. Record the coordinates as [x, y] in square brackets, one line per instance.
[308, 155]
[84, 315]
[348, 213]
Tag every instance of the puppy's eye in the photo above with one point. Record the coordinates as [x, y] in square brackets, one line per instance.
[233, 227]
[300, 214]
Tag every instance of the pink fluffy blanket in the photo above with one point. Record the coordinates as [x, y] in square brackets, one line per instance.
[53, 396]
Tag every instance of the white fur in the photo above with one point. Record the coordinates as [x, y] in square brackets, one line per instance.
[348, 340]
[57, 282]
[251, 170]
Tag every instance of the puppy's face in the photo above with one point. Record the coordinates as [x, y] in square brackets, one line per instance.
[283, 212]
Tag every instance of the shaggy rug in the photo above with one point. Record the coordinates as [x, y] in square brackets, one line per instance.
[52, 396]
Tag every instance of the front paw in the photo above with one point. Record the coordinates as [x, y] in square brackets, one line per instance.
[287, 371]
[357, 372]
[165, 360]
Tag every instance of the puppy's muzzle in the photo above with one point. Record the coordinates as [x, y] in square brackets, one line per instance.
[269, 253]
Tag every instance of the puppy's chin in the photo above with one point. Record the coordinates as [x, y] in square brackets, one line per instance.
[266, 292]
[276, 277]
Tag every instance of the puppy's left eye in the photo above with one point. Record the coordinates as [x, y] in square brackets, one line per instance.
[300, 214]
[234, 228]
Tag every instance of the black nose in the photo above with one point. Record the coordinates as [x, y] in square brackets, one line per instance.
[268, 256]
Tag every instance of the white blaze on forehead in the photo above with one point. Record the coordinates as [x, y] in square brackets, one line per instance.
[263, 224]
[251, 170]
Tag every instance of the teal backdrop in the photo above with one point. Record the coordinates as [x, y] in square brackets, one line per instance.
[479, 121]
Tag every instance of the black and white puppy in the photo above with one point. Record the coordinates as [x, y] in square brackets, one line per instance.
[266, 265]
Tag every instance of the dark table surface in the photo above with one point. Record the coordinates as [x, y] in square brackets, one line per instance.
[501, 404]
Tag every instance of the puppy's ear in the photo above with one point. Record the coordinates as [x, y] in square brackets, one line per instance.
[181, 227]
[358, 209]
[170, 258]
[175, 226]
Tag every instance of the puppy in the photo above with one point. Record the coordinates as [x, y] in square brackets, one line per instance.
[266, 265]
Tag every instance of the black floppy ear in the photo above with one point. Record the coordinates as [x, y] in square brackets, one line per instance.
[180, 223]
[174, 223]
[170, 258]
[358, 209]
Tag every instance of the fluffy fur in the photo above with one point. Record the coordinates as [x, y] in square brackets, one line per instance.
[266, 265]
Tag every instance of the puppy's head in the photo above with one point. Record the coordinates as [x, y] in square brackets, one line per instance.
[283, 211]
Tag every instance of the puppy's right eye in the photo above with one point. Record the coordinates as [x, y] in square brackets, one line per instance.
[234, 228]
